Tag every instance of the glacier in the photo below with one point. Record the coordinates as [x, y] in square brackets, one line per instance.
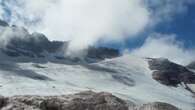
[37, 67]
[127, 77]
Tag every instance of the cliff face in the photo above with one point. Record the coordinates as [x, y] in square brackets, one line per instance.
[31, 64]
[169, 73]
[19, 42]
[127, 77]
[82, 101]
[191, 65]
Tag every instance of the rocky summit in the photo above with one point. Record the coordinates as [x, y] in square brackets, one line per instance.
[21, 43]
[87, 100]
[3, 23]
[37, 74]
[169, 73]
[191, 65]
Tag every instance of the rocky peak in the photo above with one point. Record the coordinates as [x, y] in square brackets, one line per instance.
[22, 43]
[169, 73]
[102, 52]
[191, 65]
[3, 23]
[31, 45]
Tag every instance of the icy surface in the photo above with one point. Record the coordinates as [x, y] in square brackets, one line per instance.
[127, 77]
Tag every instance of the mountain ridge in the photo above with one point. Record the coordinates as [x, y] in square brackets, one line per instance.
[33, 65]
[21, 43]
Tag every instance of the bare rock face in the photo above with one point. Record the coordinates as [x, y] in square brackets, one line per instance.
[169, 73]
[3, 23]
[102, 53]
[191, 65]
[37, 45]
[30, 45]
[2, 101]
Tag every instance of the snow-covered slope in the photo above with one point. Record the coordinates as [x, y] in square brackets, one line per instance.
[30, 64]
[127, 77]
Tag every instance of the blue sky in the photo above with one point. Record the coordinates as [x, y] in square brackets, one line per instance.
[182, 25]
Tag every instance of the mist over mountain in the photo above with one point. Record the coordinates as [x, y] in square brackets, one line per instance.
[191, 65]
[38, 66]
[19, 42]
[96, 55]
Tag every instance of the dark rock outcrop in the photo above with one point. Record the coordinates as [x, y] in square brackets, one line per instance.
[3, 23]
[31, 45]
[3, 101]
[102, 53]
[22, 43]
[191, 65]
[82, 101]
[36, 44]
[170, 73]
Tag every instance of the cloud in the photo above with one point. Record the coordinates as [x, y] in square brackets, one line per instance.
[86, 21]
[166, 46]
[24, 12]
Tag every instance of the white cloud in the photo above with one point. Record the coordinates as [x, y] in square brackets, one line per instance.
[25, 12]
[166, 46]
[86, 21]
